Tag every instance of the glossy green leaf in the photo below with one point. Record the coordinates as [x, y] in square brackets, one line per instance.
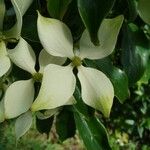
[92, 13]
[117, 77]
[144, 10]
[65, 125]
[57, 8]
[23, 124]
[135, 52]
[92, 132]
[44, 126]
[145, 78]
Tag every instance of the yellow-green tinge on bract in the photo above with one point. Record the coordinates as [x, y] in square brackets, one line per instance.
[59, 82]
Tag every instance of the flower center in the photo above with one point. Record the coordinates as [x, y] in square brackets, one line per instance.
[76, 61]
[37, 77]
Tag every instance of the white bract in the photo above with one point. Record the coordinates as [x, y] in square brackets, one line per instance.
[59, 82]
[20, 95]
[20, 7]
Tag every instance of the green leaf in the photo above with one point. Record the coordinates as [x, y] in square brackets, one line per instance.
[92, 13]
[23, 124]
[92, 132]
[135, 52]
[132, 10]
[128, 8]
[57, 8]
[144, 10]
[44, 125]
[117, 76]
[65, 124]
[145, 78]
[74, 23]
[29, 27]
[2, 13]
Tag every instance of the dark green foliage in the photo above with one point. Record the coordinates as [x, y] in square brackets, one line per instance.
[65, 125]
[91, 130]
[57, 8]
[44, 125]
[135, 52]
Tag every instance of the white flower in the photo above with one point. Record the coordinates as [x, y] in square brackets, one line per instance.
[20, 8]
[59, 82]
[20, 94]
